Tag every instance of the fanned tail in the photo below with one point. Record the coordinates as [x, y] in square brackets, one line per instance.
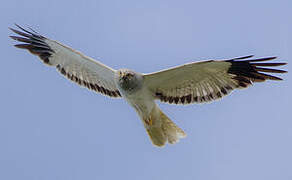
[161, 129]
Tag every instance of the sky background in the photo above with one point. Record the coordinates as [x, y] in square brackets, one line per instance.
[51, 129]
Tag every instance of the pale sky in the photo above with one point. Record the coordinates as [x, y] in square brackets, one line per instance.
[51, 129]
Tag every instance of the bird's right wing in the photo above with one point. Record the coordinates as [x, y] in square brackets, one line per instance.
[72, 64]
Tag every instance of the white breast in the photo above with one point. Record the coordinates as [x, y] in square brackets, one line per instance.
[142, 100]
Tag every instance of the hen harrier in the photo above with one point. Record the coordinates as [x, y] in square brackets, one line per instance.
[196, 82]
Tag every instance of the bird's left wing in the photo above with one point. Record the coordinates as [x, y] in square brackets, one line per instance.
[208, 80]
[72, 64]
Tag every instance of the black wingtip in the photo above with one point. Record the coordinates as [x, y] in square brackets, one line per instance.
[23, 29]
[262, 59]
[243, 57]
[25, 32]
[13, 37]
[268, 64]
[33, 42]
[248, 71]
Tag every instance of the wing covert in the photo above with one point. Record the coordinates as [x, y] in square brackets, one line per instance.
[72, 64]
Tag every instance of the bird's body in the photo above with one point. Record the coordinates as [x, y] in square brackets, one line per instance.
[159, 127]
[196, 82]
[130, 85]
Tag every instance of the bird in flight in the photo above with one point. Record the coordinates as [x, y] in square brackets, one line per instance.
[195, 82]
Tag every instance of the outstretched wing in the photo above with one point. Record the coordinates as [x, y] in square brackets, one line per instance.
[208, 80]
[72, 64]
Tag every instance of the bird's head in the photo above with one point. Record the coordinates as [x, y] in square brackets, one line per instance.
[125, 75]
[128, 80]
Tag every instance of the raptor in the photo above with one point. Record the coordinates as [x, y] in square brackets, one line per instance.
[196, 82]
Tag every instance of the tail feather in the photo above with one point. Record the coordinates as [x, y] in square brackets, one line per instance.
[173, 132]
[157, 136]
[161, 129]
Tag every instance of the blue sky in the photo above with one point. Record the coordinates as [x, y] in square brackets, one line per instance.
[51, 128]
